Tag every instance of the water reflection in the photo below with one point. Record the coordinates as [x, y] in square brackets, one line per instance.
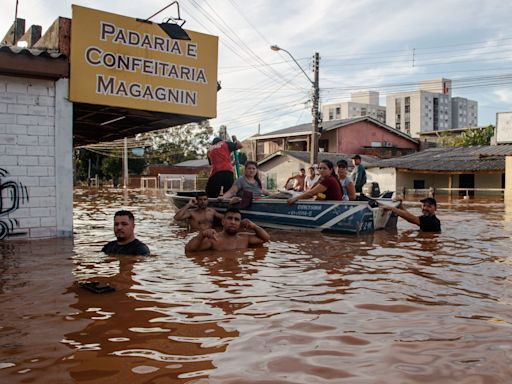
[390, 307]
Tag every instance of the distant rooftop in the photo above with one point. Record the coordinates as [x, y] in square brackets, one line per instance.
[194, 163]
[482, 158]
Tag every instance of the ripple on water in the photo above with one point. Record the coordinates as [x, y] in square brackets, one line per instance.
[403, 307]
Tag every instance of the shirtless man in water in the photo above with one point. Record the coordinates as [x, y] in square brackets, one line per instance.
[201, 217]
[229, 238]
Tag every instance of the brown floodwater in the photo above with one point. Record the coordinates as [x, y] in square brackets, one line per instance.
[402, 307]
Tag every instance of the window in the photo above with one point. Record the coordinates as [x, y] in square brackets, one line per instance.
[363, 111]
[418, 184]
[323, 145]
[338, 112]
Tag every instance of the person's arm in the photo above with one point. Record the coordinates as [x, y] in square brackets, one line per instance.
[403, 213]
[184, 213]
[351, 190]
[218, 215]
[231, 192]
[202, 241]
[265, 192]
[287, 181]
[319, 188]
[234, 145]
[259, 237]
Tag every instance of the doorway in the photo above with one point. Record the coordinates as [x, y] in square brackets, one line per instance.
[467, 180]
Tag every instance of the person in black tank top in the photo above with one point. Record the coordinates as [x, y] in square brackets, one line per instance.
[126, 243]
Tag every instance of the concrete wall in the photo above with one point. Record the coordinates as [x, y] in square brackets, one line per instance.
[35, 158]
[386, 177]
[406, 179]
[283, 167]
[492, 180]
[508, 178]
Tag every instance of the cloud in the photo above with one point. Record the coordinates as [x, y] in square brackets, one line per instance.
[504, 95]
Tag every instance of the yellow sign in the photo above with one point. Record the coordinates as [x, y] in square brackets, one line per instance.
[121, 62]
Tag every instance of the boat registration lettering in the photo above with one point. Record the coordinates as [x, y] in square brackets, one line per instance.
[305, 210]
[300, 213]
[308, 207]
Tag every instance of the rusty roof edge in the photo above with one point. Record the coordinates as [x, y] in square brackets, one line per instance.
[52, 54]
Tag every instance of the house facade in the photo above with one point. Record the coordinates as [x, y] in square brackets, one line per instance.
[362, 135]
[478, 170]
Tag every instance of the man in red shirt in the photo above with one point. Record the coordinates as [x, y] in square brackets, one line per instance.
[221, 174]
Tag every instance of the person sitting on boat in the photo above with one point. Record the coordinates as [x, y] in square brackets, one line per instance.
[428, 221]
[311, 179]
[125, 243]
[347, 184]
[328, 186]
[197, 213]
[221, 174]
[297, 181]
[230, 237]
[249, 181]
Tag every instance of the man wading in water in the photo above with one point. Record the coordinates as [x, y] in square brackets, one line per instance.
[126, 243]
[229, 238]
[200, 217]
[428, 221]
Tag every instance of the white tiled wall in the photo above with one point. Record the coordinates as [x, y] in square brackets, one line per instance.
[27, 153]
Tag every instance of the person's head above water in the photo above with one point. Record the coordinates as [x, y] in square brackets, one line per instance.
[124, 226]
[202, 199]
[231, 221]
[429, 206]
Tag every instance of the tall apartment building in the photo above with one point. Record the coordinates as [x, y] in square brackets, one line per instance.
[464, 113]
[364, 103]
[430, 108]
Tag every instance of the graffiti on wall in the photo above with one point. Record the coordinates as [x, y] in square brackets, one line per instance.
[12, 195]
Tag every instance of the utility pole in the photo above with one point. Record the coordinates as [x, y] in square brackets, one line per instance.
[315, 97]
[314, 110]
[125, 163]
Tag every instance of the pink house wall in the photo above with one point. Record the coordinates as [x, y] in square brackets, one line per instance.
[351, 138]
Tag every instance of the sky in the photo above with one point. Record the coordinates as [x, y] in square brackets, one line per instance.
[385, 46]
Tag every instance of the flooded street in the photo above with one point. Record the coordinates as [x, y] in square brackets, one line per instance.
[404, 307]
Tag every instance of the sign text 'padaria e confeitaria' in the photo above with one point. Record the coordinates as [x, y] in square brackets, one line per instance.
[128, 63]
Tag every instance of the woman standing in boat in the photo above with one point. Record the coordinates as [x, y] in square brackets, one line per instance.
[328, 185]
[347, 184]
[250, 182]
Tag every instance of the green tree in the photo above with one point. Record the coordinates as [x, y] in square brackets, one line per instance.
[477, 136]
[177, 144]
[84, 158]
[111, 167]
[470, 137]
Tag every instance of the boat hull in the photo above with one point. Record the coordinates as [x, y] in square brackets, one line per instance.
[336, 216]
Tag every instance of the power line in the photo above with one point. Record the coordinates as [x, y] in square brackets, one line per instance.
[228, 32]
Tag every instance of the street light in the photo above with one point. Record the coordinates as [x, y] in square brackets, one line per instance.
[316, 94]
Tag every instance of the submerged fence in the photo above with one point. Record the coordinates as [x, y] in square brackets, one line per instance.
[431, 192]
